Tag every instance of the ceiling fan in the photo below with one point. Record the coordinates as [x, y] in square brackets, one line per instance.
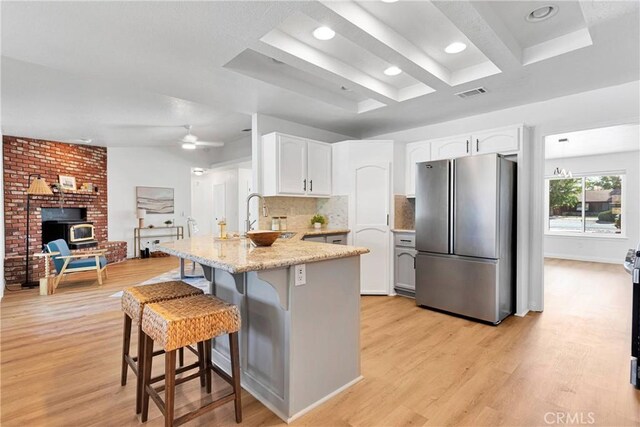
[191, 142]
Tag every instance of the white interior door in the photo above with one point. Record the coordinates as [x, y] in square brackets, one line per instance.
[371, 225]
[219, 203]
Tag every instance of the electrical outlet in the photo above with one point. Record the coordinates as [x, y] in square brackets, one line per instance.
[301, 274]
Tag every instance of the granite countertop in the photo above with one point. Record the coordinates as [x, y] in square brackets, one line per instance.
[401, 230]
[239, 255]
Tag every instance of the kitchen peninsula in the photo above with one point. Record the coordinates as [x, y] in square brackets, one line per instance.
[300, 337]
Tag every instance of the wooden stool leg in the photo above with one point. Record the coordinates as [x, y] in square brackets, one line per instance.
[181, 356]
[141, 361]
[201, 364]
[170, 384]
[235, 373]
[148, 362]
[207, 361]
[126, 344]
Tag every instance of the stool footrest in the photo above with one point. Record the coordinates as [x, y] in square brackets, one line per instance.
[206, 408]
[179, 381]
[180, 370]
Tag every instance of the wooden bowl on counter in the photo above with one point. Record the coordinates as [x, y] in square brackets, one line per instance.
[263, 237]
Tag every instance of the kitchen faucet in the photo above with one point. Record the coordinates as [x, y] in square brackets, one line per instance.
[265, 211]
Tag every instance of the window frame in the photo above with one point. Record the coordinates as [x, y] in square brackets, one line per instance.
[584, 234]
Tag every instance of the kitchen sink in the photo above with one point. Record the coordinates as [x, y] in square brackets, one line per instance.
[287, 235]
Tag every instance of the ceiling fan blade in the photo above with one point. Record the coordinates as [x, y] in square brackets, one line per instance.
[210, 144]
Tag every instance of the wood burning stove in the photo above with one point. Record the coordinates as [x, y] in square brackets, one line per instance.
[69, 224]
[77, 233]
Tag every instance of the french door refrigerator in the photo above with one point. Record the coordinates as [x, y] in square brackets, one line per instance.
[465, 236]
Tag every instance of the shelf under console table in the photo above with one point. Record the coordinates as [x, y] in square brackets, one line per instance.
[176, 231]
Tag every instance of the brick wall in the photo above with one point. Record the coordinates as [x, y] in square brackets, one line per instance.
[23, 156]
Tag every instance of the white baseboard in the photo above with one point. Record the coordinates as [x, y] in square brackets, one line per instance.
[585, 258]
[324, 399]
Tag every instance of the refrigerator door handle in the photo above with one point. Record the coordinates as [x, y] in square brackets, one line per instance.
[452, 205]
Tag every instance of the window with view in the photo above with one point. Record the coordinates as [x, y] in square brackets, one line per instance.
[590, 204]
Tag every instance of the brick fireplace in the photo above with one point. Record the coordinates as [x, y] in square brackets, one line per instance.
[24, 156]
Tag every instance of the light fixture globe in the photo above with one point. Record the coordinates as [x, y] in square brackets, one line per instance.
[392, 71]
[324, 33]
[455, 47]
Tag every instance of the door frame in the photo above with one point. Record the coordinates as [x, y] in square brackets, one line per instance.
[539, 134]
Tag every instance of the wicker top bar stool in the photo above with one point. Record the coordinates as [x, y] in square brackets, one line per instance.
[133, 301]
[177, 323]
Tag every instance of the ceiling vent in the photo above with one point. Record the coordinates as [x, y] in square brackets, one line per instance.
[471, 92]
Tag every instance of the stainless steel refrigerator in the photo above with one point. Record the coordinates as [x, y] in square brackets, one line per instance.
[465, 236]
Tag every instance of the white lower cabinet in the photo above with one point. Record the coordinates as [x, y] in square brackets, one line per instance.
[404, 265]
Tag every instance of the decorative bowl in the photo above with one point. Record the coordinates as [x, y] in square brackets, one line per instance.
[263, 237]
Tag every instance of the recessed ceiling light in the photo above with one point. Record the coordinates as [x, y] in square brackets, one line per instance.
[189, 146]
[455, 47]
[392, 71]
[389, 1]
[542, 13]
[323, 33]
[198, 171]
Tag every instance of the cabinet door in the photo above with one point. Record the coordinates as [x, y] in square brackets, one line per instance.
[405, 269]
[496, 141]
[292, 165]
[451, 148]
[416, 152]
[318, 169]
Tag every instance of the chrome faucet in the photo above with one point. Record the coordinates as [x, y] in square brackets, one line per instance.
[265, 212]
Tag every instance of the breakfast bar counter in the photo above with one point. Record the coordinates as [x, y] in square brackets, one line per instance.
[300, 308]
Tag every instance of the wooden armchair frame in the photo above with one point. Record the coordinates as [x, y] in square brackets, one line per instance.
[67, 259]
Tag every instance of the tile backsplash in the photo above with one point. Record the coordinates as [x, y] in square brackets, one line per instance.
[405, 212]
[299, 211]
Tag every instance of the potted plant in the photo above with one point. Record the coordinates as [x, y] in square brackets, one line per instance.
[318, 221]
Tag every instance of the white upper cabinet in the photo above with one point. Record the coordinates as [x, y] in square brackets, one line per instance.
[319, 169]
[416, 152]
[451, 148]
[496, 141]
[294, 166]
[292, 161]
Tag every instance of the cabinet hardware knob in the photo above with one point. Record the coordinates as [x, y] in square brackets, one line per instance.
[467, 145]
[304, 184]
[311, 185]
[477, 145]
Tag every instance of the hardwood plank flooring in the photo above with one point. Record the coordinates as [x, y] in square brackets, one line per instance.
[60, 360]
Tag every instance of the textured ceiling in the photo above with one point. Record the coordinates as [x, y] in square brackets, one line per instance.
[132, 73]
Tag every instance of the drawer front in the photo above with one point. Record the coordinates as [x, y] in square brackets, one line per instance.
[320, 239]
[405, 239]
[337, 239]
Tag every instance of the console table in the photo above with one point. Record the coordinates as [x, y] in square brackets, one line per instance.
[176, 231]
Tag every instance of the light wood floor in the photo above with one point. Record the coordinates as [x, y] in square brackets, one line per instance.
[60, 359]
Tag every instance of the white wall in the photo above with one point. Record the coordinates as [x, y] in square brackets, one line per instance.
[150, 167]
[601, 248]
[202, 203]
[234, 150]
[587, 110]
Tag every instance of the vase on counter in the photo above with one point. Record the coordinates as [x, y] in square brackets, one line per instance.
[317, 225]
